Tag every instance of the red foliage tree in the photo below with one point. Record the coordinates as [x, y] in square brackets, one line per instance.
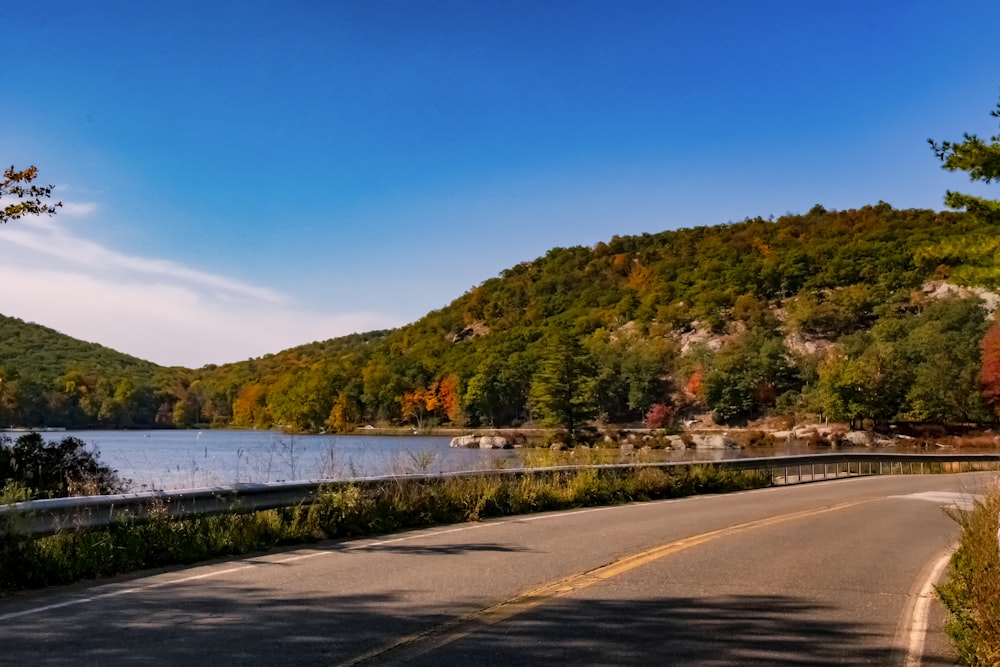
[660, 415]
[989, 373]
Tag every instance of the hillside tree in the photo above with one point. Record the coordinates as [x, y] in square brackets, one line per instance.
[562, 390]
[747, 376]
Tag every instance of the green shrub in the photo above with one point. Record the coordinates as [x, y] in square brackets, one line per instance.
[42, 469]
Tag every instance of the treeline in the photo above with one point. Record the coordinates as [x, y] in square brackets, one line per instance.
[821, 313]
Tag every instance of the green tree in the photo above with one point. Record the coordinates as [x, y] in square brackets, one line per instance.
[301, 401]
[943, 348]
[118, 408]
[981, 160]
[496, 395]
[562, 390]
[869, 386]
[748, 375]
[833, 313]
[381, 388]
[27, 198]
[187, 410]
[631, 372]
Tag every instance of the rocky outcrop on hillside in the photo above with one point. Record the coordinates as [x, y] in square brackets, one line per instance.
[474, 330]
[803, 344]
[942, 289]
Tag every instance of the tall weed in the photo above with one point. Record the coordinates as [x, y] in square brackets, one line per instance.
[341, 510]
[972, 593]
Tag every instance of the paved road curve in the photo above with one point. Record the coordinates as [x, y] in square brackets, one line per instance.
[819, 574]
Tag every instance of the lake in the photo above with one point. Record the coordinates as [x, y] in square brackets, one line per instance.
[181, 459]
[188, 459]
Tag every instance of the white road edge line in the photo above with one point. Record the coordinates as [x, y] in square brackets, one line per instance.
[916, 634]
[312, 554]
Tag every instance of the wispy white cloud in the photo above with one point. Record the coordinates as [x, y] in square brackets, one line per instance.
[77, 208]
[152, 308]
[46, 237]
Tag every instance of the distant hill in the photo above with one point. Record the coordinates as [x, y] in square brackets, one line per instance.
[670, 320]
[34, 352]
[821, 313]
[46, 372]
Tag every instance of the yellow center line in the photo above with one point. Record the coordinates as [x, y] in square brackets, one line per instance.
[420, 643]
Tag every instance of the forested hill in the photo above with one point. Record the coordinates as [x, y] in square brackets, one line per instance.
[45, 375]
[830, 312]
[34, 353]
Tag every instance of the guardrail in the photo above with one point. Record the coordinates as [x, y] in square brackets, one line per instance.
[38, 517]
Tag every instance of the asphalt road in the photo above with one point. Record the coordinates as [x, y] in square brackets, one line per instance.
[818, 574]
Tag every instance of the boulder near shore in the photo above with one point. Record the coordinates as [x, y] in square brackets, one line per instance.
[481, 442]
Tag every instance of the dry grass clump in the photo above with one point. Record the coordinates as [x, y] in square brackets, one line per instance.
[972, 593]
[753, 439]
[978, 441]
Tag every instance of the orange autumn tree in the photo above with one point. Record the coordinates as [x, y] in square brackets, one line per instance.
[440, 401]
[693, 387]
[417, 404]
[345, 414]
[250, 406]
[449, 398]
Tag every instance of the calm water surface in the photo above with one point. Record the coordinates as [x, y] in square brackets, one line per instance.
[189, 459]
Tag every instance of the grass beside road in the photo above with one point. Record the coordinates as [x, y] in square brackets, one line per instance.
[343, 510]
[972, 593]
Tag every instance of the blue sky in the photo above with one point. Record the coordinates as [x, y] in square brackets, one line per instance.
[242, 177]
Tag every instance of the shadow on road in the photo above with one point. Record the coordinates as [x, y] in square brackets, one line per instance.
[191, 624]
[716, 630]
[446, 550]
